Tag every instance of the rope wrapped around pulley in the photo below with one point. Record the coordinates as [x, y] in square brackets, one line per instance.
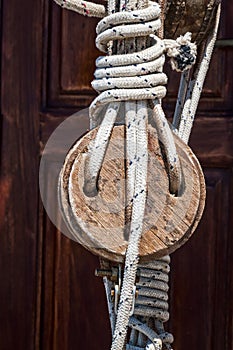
[136, 76]
[132, 73]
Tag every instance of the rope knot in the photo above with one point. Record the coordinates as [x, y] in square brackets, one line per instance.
[182, 52]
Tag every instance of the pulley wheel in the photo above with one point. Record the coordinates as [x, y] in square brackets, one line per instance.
[99, 222]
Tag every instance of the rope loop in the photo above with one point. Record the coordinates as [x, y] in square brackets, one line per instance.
[135, 76]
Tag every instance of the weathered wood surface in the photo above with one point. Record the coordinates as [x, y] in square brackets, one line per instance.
[19, 237]
[99, 222]
[195, 16]
[49, 296]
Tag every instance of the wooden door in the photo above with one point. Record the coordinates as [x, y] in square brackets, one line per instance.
[49, 297]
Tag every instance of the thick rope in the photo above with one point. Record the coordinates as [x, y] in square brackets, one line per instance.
[145, 81]
[131, 259]
[151, 306]
[85, 8]
[149, 86]
[139, 76]
[196, 85]
[152, 301]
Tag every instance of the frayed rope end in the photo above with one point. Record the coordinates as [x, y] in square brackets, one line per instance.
[182, 52]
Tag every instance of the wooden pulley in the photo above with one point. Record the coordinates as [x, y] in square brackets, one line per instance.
[99, 222]
[195, 16]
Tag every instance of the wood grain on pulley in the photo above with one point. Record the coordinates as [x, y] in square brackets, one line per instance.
[99, 222]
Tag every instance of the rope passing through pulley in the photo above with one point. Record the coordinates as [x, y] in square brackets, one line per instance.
[131, 190]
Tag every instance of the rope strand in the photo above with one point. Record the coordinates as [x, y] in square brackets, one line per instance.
[196, 85]
[137, 78]
[144, 71]
[85, 8]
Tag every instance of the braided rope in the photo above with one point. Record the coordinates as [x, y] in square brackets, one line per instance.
[196, 85]
[149, 85]
[152, 301]
[145, 81]
[150, 311]
[139, 76]
[83, 7]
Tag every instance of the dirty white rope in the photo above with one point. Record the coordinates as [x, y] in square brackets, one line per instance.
[134, 76]
[85, 8]
[142, 69]
[152, 300]
[151, 307]
[185, 113]
[139, 76]
[145, 81]
[188, 99]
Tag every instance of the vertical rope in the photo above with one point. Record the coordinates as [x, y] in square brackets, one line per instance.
[196, 85]
[134, 61]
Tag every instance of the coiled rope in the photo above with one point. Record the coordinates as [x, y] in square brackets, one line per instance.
[150, 309]
[139, 76]
[130, 77]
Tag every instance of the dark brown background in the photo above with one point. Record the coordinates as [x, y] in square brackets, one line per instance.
[49, 297]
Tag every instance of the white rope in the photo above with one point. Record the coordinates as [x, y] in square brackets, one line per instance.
[139, 76]
[196, 85]
[165, 135]
[151, 303]
[113, 87]
[131, 260]
[93, 162]
[149, 86]
[146, 86]
[137, 16]
[111, 82]
[85, 8]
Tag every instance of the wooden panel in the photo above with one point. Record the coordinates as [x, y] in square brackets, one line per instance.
[77, 53]
[212, 141]
[73, 306]
[20, 86]
[71, 59]
[200, 280]
[76, 314]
